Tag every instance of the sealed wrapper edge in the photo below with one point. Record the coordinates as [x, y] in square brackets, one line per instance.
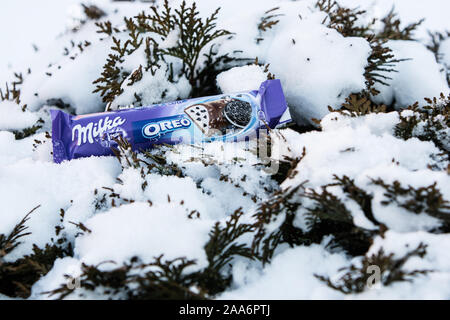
[226, 117]
[60, 121]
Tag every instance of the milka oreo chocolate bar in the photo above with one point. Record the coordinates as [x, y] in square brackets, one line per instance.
[231, 117]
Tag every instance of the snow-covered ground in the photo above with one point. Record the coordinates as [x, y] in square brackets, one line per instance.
[109, 211]
[28, 23]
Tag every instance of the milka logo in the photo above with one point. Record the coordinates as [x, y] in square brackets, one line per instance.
[154, 129]
[93, 130]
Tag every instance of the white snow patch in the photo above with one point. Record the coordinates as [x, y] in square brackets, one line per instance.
[145, 231]
[415, 79]
[239, 79]
[13, 118]
[291, 276]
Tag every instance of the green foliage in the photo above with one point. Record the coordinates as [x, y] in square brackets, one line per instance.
[157, 162]
[151, 161]
[325, 215]
[12, 91]
[358, 105]
[205, 77]
[93, 12]
[220, 251]
[195, 35]
[344, 20]
[125, 154]
[356, 277]
[169, 279]
[329, 216]
[283, 204]
[158, 280]
[106, 27]
[287, 166]
[380, 60]
[392, 30]
[430, 123]
[327, 207]
[110, 83]
[360, 196]
[428, 200]
[10, 242]
[27, 132]
[347, 22]
[268, 21]
[17, 278]
[436, 39]
[147, 162]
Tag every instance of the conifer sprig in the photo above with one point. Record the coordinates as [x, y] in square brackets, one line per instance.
[356, 277]
[194, 33]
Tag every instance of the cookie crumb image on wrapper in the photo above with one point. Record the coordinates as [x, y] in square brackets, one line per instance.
[227, 117]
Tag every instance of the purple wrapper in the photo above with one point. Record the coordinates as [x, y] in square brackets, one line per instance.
[227, 117]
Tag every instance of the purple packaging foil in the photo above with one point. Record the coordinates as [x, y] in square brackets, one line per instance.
[226, 117]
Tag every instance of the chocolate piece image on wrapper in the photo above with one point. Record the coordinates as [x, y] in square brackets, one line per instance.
[208, 117]
[216, 116]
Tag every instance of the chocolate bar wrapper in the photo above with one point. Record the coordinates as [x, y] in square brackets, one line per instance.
[226, 117]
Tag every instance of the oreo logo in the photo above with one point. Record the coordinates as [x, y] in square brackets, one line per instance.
[158, 128]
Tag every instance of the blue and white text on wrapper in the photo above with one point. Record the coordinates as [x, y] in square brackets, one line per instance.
[89, 132]
[158, 127]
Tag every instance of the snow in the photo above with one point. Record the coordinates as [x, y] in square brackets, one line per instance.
[406, 86]
[152, 88]
[356, 148]
[56, 76]
[171, 40]
[239, 79]
[77, 93]
[140, 230]
[444, 53]
[434, 12]
[156, 213]
[298, 51]
[41, 34]
[434, 285]
[74, 181]
[310, 84]
[12, 117]
[312, 78]
[277, 281]
[65, 266]
[48, 20]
